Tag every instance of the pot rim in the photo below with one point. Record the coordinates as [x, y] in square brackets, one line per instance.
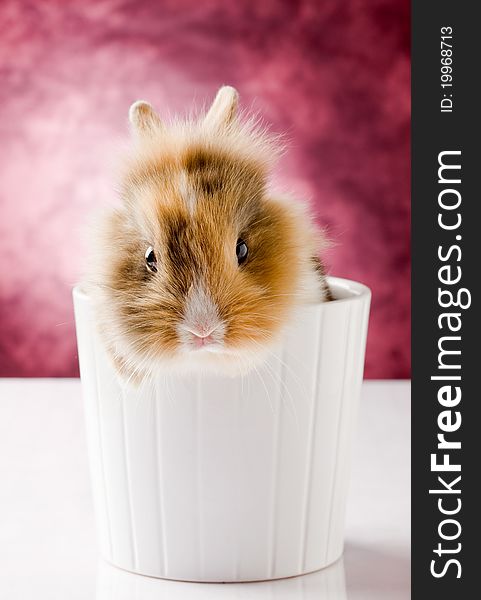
[352, 291]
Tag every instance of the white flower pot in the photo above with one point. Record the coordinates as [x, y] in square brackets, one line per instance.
[211, 478]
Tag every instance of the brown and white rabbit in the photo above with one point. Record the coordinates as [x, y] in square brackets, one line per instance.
[201, 266]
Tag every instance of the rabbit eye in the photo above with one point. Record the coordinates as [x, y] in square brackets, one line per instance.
[241, 251]
[151, 260]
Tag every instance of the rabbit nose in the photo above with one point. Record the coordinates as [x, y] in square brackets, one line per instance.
[202, 333]
[202, 340]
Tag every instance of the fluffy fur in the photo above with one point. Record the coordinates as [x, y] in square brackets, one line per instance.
[190, 189]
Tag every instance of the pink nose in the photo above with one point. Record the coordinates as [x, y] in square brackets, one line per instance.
[201, 340]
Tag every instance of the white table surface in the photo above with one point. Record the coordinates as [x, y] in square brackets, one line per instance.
[47, 537]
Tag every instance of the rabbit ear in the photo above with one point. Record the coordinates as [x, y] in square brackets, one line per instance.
[143, 118]
[224, 108]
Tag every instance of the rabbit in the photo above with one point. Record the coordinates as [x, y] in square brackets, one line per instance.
[201, 266]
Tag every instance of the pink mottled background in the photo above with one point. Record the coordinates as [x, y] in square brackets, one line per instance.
[333, 74]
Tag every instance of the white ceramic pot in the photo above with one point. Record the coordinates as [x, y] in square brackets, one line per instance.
[211, 478]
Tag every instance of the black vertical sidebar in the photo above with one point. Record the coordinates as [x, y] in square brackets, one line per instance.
[446, 119]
